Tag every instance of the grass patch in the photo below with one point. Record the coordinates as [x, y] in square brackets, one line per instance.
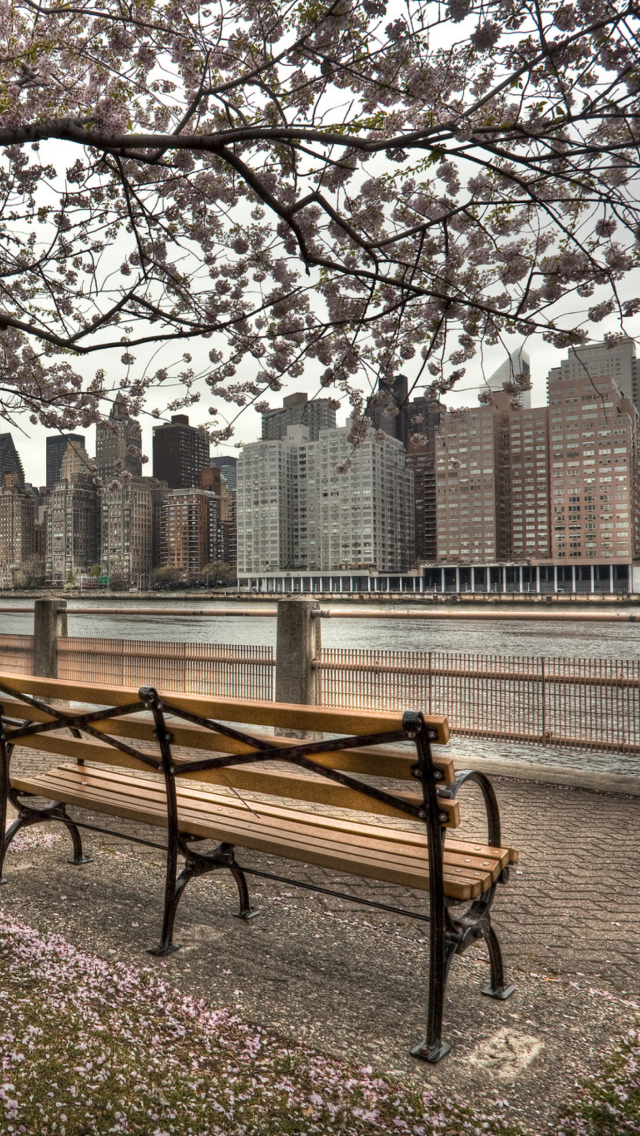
[609, 1105]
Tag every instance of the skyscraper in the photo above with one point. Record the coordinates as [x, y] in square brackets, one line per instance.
[516, 364]
[388, 409]
[180, 453]
[10, 460]
[17, 518]
[113, 440]
[76, 464]
[296, 410]
[56, 449]
[228, 468]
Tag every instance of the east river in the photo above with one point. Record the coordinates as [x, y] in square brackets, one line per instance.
[581, 639]
[504, 637]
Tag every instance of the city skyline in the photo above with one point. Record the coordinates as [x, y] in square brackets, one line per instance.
[475, 485]
[30, 440]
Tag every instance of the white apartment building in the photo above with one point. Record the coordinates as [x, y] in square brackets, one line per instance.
[265, 512]
[296, 511]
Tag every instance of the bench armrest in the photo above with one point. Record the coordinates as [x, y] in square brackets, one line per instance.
[489, 797]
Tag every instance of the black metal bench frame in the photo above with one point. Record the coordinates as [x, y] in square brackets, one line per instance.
[448, 936]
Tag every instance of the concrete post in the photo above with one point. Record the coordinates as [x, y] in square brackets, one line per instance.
[49, 623]
[298, 644]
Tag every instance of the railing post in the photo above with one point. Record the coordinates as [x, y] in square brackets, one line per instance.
[543, 694]
[297, 645]
[430, 684]
[49, 624]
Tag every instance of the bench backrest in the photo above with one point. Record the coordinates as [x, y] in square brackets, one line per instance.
[131, 741]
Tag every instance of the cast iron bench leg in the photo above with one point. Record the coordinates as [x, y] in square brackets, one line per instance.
[496, 988]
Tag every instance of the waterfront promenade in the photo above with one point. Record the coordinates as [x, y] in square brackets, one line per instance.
[570, 925]
[569, 920]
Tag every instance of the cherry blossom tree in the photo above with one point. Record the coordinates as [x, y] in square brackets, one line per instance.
[349, 186]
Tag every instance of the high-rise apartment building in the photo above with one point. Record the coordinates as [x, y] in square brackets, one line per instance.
[228, 468]
[57, 445]
[295, 510]
[523, 459]
[598, 360]
[316, 415]
[72, 519]
[130, 530]
[360, 518]
[595, 470]
[114, 440]
[493, 483]
[180, 453]
[423, 425]
[467, 485]
[266, 502]
[16, 528]
[72, 545]
[191, 533]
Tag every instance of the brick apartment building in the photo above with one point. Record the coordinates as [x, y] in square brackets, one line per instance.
[198, 525]
[190, 532]
[180, 453]
[17, 518]
[594, 470]
[540, 499]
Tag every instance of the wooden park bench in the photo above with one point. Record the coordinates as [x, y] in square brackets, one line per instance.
[200, 746]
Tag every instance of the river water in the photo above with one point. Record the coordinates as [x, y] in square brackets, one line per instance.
[504, 637]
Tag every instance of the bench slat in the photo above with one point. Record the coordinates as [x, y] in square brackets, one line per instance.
[281, 714]
[219, 818]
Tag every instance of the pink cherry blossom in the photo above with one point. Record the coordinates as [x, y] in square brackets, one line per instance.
[340, 185]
